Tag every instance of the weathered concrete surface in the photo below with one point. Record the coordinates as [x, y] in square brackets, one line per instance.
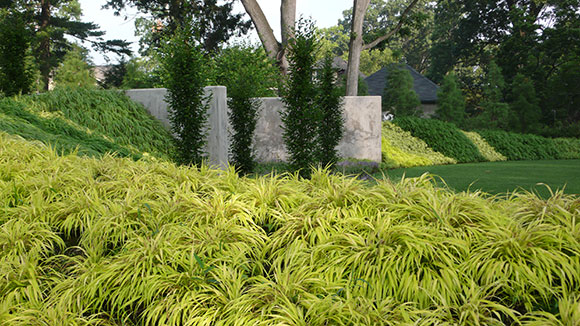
[362, 130]
[362, 115]
[217, 125]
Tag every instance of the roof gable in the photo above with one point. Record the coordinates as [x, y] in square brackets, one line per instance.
[425, 88]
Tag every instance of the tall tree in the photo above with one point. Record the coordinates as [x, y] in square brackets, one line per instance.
[51, 22]
[15, 74]
[356, 40]
[274, 48]
[216, 22]
[399, 96]
[524, 103]
[450, 101]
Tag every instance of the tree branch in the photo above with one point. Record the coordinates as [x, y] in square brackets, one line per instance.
[271, 45]
[395, 30]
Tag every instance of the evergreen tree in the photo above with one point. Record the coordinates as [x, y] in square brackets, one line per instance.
[495, 112]
[301, 118]
[248, 74]
[185, 71]
[75, 71]
[53, 23]
[524, 103]
[399, 97]
[15, 73]
[450, 101]
[331, 126]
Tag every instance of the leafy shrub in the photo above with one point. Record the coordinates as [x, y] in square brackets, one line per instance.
[111, 241]
[331, 126]
[442, 137]
[247, 73]
[484, 148]
[301, 118]
[95, 121]
[184, 74]
[521, 146]
[401, 149]
[568, 148]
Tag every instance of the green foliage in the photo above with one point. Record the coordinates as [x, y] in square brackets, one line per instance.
[184, 74]
[74, 71]
[373, 60]
[94, 122]
[217, 21]
[363, 89]
[450, 101]
[142, 73]
[301, 118]
[401, 149]
[113, 242]
[15, 72]
[442, 137]
[247, 73]
[563, 100]
[522, 146]
[53, 25]
[524, 103]
[399, 97]
[114, 75]
[568, 148]
[490, 154]
[331, 126]
[495, 111]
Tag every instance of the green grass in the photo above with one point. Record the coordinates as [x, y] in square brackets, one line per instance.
[502, 177]
[87, 122]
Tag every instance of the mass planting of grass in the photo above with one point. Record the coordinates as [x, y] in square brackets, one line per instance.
[502, 177]
[111, 241]
[89, 121]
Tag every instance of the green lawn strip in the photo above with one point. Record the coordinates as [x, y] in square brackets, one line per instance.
[502, 177]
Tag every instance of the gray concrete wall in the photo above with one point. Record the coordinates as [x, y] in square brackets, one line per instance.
[362, 130]
[362, 137]
[217, 125]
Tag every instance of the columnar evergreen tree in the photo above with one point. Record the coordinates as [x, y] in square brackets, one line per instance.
[184, 68]
[15, 74]
[399, 96]
[300, 119]
[524, 103]
[248, 74]
[332, 123]
[495, 111]
[450, 101]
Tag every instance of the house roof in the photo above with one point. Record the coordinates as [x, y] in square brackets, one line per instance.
[341, 65]
[425, 88]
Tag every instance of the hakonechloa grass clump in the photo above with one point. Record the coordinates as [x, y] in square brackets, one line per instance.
[110, 241]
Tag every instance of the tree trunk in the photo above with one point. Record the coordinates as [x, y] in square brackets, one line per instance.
[274, 49]
[287, 24]
[355, 46]
[44, 49]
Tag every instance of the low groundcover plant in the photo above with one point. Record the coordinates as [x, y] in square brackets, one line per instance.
[112, 241]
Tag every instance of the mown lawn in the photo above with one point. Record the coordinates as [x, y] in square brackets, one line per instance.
[502, 177]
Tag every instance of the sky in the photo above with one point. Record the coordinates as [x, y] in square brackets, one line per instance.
[325, 13]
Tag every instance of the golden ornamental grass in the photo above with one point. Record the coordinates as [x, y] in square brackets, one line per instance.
[111, 241]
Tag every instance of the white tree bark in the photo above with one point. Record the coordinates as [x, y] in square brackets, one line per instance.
[355, 46]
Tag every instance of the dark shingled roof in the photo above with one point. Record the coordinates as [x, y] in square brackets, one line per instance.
[425, 89]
